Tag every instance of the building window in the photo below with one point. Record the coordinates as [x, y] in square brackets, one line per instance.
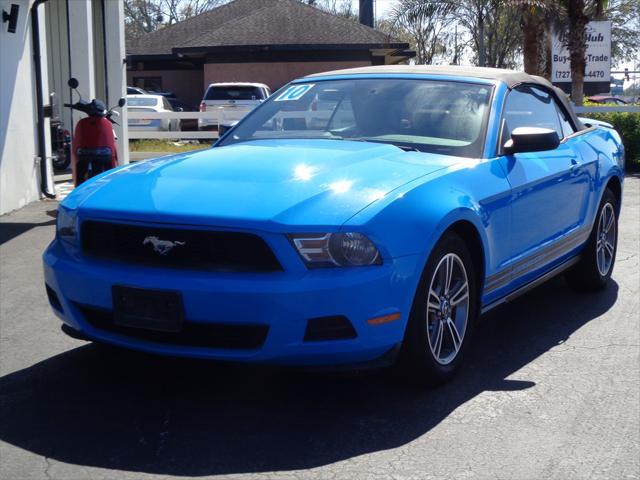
[151, 84]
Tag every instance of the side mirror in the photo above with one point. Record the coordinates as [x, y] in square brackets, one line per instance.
[179, 109]
[122, 102]
[531, 139]
[73, 83]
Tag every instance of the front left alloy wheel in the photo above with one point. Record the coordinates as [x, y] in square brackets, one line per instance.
[444, 311]
[448, 308]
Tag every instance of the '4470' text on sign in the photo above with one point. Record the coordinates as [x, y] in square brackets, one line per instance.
[597, 56]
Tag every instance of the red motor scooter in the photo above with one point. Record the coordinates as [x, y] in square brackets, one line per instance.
[93, 148]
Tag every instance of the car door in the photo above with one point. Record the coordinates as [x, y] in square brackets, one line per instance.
[549, 188]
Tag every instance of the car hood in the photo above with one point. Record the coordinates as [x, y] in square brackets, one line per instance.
[256, 184]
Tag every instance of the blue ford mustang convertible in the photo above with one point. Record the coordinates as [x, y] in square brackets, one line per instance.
[361, 216]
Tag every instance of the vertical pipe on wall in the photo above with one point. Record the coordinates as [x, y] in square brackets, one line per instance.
[116, 75]
[71, 126]
[40, 128]
[104, 46]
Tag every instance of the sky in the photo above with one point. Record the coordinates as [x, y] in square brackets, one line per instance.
[381, 7]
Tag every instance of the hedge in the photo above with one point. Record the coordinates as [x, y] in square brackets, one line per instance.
[628, 126]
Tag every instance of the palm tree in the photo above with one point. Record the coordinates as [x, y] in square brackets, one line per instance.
[579, 13]
[577, 46]
[533, 21]
[538, 15]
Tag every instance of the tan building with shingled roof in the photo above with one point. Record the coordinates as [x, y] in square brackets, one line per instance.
[266, 41]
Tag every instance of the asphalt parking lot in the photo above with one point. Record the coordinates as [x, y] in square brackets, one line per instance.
[551, 389]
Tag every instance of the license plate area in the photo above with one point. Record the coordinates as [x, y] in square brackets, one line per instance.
[158, 310]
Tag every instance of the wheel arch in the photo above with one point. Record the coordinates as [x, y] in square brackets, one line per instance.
[470, 235]
[615, 185]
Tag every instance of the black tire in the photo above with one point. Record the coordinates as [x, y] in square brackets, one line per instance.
[587, 275]
[61, 162]
[417, 362]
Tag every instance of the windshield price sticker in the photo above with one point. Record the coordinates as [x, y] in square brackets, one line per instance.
[597, 55]
[294, 92]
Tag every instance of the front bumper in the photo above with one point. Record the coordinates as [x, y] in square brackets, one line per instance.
[283, 301]
[229, 115]
[159, 127]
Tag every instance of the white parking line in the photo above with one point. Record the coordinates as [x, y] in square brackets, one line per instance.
[63, 189]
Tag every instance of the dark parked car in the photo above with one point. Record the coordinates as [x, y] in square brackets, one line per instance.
[136, 91]
[607, 99]
[190, 124]
[166, 95]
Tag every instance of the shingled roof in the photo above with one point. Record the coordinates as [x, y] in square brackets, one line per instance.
[261, 23]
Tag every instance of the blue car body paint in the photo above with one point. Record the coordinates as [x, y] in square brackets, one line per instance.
[530, 211]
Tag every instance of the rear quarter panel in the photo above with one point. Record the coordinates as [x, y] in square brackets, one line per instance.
[602, 150]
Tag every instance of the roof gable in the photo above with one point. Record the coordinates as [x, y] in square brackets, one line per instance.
[163, 40]
[257, 23]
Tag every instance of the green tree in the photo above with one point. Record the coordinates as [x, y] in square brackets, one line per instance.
[340, 8]
[144, 16]
[491, 27]
[535, 16]
[427, 25]
[577, 45]
[625, 30]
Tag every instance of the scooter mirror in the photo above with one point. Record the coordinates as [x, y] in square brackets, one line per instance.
[122, 102]
[73, 83]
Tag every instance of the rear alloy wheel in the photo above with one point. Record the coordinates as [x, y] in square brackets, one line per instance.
[599, 255]
[443, 313]
[605, 248]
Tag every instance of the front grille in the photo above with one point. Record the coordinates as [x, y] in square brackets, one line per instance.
[211, 335]
[178, 248]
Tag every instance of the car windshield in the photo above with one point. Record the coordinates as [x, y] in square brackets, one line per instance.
[141, 102]
[427, 115]
[234, 93]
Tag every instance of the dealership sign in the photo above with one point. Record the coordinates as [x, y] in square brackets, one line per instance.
[597, 55]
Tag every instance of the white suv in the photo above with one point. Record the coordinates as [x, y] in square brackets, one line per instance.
[232, 101]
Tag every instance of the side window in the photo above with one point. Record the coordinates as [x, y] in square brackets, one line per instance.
[567, 128]
[528, 106]
[166, 104]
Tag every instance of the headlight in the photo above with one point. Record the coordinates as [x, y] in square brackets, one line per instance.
[349, 249]
[67, 225]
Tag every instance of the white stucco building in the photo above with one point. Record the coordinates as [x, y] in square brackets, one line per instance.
[75, 38]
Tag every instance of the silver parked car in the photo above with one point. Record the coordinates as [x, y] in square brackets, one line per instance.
[151, 103]
[232, 100]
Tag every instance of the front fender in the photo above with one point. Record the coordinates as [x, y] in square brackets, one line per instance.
[413, 219]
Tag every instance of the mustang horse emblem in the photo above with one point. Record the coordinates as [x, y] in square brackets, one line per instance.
[161, 246]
